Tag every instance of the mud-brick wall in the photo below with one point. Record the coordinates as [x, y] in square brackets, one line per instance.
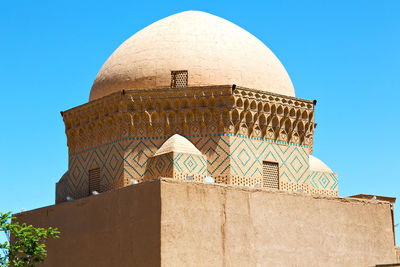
[178, 223]
[208, 225]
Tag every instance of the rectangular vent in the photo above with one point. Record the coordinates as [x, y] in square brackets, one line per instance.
[270, 175]
[179, 78]
[94, 180]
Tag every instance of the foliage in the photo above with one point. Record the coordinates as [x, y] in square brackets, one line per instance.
[28, 245]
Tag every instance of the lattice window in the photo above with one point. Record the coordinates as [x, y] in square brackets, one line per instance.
[179, 78]
[94, 180]
[270, 175]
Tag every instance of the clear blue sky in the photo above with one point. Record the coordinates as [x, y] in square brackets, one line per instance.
[345, 54]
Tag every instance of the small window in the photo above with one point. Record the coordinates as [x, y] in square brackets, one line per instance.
[179, 78]
[270, 175]
[94, 180]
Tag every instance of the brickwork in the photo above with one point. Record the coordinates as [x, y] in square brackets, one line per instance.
[181, 166]
[228, 158]
[234, 128]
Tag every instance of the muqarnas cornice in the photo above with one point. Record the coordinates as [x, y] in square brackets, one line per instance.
[190, 111]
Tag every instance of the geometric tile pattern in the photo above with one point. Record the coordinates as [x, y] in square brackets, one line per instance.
[177, 165]
[127, 158]
[137, 151]
[248, 154]
[323, 180]
[106, 157]
[188, 164]
[160, 166]
[229, 158]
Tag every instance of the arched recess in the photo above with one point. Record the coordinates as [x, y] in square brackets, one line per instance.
[288, 126]
[279, 111]
[292, 113]
[203, 102]
[246, 104]
[235, 116]
[298, 114]
[211, 101]
[275, 126]
[266, 108]
[239, 103]
[253, 105]
[262, 121]
[286, 112]
[273, 109]
[189, 116]
[171, 117]
[149, 105]
[249, 118]
[185, 103]
[194, 103]
[311, 116]
[304, 115]
[260, 107]
[207, 116]
[167, 104]
[300, 127]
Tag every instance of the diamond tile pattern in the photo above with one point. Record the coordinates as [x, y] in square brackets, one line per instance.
[227, 156]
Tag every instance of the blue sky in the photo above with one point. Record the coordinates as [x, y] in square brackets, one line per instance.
[345, 54]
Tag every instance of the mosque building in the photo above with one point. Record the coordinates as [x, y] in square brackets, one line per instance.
[194, 149]
[199, 82]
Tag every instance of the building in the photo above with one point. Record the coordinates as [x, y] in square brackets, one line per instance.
[214, 84]
[197, 99]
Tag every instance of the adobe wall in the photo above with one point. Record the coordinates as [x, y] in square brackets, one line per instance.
[117, 228]
[178, 223]
[208, 225]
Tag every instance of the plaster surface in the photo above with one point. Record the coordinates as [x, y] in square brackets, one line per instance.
[213, 50]
[177, 223]
[117, 228]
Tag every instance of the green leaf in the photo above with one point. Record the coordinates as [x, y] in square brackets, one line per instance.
[29, 242]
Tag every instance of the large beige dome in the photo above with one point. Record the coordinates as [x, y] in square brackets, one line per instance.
[214, 51]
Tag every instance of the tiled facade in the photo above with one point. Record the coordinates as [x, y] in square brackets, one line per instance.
[236, 129]
[228, 158]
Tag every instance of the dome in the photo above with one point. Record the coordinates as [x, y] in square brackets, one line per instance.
[213, 50]
[179, 144]
[317, 165]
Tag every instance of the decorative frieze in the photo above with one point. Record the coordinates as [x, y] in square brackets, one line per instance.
[190, 111]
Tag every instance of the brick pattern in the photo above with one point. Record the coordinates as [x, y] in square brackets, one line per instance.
[124, 160]
[323, 181]
[248, 154]
[229, 159]
[181, 166]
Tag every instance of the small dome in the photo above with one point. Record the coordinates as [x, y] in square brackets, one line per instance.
[212, 50]
[177, 143]
[317, 165]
